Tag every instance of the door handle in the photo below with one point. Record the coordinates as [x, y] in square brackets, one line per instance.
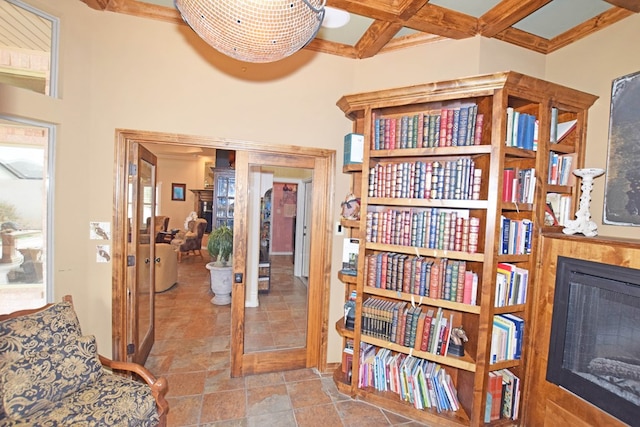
[158, 260]
[147, 260]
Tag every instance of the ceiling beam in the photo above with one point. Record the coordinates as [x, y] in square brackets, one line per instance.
[410, 40]
[375, 9]
[632, 5]
[524, 39]
[376, 37]
[411, 8]
[136, 8]
[97, 4]
[443, 22]
[505, 14]
[151, 11]
[333, 48]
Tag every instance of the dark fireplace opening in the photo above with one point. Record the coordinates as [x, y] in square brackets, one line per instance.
[595, 336]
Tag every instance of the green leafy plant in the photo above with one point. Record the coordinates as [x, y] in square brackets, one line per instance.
[220, 244]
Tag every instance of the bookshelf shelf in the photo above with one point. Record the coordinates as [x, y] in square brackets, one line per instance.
[455, 138]
[347, 278]
[465, 308]
[505, 364]
[562, 148]
[516, 308]
[552, 229]
[434, 253]
[342, 330]
[514, 258]
[428, 416]
[512, 206]
[465, 362]
[350, 223]
[341, 381]
[422, 203]
[352, 167]
[432, 152]
[563, 189]
[519, 153]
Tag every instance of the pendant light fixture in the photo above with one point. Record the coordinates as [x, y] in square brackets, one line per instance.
[254, 30]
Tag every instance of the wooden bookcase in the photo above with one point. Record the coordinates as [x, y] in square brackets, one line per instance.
[351, 228]
[493, 97]
[224, 195]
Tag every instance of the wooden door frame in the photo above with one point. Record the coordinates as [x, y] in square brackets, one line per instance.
[125, 137]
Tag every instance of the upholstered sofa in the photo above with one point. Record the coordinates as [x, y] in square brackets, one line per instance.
[52, 375]
[166, 267]
[161, 225]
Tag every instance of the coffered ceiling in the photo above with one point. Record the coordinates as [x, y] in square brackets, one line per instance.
[378, 26]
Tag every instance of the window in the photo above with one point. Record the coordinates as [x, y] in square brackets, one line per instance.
[25, 216]
[28, 47]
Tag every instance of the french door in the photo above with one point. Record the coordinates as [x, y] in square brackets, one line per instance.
[141, 257]
[247, 357]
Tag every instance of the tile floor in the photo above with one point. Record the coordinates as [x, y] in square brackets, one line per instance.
[192, 351]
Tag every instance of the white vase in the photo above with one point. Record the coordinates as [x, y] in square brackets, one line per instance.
[582, 223]
[220, 283]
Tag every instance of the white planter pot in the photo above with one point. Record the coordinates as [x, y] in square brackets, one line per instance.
[220, 283]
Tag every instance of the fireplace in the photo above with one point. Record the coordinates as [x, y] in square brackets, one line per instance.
[594, 349]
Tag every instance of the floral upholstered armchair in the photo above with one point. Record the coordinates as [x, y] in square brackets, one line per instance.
[52, 375]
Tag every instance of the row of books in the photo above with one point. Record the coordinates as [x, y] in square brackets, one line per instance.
[518, 185]
[559, 130]
[507, 337]
[515, 236]
[522, 130]
[422, 383]
[560, 205]
[503, 396]
[456, 179]
[347, 359]
[407, 325]
[511, 284]
[560, 168]
[437, 278]
[434, 228]
[448, 127]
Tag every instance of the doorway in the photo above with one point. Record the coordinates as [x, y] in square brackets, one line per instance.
[324, 168]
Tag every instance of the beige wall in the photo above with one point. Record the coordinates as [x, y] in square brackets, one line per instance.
[591, 65]
[177, 169]
[119, 71]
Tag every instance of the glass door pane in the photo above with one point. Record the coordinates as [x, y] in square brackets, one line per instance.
[24, 215]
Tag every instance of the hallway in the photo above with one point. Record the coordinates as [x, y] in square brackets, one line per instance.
[192, 351]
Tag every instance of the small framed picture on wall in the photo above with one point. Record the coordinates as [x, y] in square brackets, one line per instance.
[178, 191]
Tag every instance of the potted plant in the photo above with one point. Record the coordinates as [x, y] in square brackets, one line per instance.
[220, 248]
[220, 245]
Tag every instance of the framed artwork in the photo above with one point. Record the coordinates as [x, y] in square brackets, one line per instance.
[178, 191]
[622, 188]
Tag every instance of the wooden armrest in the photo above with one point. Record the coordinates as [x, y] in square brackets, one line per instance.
[158, 386]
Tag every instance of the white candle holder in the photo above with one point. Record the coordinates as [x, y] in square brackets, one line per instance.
[582, 223]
